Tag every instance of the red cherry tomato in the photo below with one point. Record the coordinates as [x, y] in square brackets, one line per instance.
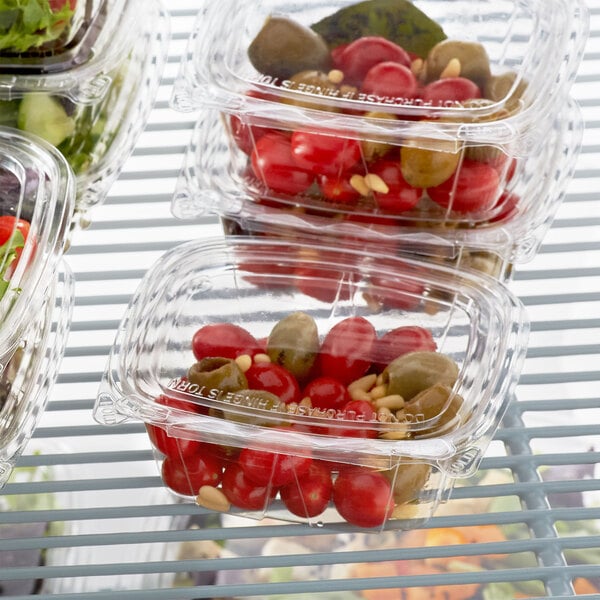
[10, 224]
[224, 340]
[337, 188]
[363, 498]
[402, 340]
[310, 495]
[174, 446]
[346, 352]
[324, 154]
[264, 468]
[358, 57]
[449, 91]
[400, 196]
[244, 135]
[241, 492]
[187, 475]
[273, 164]
[404, 293]
[273, 378]
[473, 188]
[327, 392]
[361, 411]
[390, 79]
[325, 284]
[56, 5]
[508, 204]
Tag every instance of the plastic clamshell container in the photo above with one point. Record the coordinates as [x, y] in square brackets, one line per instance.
[94, 109]
[470, 327]
[49, 36]
[211, 182]
[410, 153]
[37, 187]
[28, 377]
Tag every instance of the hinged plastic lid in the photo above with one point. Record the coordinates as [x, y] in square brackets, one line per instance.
[478, 327]
[78, 69]
[238, 63]
[37, 187]
[54, 37]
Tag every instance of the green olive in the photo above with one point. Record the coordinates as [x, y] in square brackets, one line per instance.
[312, 84]
[284, 47]
[423, 168]
[473, 58]
[253, 401]
[408, 479]
[505, 88]
[486, 262]
[293, 343]
[414, 372]
[373, 149]
[218, 373]
[437, 403]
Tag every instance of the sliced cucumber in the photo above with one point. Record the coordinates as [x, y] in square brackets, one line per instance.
[9, 110]
[44, 115]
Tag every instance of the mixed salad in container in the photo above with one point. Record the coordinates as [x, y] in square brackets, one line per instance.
[312, 383]
[36, 208]
[385, 112]
[91, 96]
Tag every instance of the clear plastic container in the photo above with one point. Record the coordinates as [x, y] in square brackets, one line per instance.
[27, 379]
[210, 182]
[259, 365]
[94, 107]
[328, 111]
[48, 33]
[36, 208]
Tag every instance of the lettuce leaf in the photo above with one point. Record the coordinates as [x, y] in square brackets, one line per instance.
[26, 24]
[8, 253]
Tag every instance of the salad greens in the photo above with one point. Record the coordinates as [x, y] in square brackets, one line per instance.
[8, 253]
[27, 24]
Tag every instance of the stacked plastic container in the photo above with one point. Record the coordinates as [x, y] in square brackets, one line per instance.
[347, 350]
[83, 75]
[36, 286]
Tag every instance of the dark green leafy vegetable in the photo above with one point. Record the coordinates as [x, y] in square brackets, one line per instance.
[8, 253]
[400, 21]
[29, 24]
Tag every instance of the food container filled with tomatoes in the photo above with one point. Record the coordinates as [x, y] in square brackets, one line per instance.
[422, 113]
[37, 195]
[208, 184]
[313, 383]
[88, 94]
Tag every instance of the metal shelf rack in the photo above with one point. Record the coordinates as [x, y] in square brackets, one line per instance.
[116, 534]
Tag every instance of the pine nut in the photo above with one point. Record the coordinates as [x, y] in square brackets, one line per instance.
[452, 69]
[399, 433]
[244, 362]
[363, 383]
[306, 401]
[262, 358]
[212, 498]
[359, 395]
[335, 76]
[375, 183]
[393, 402]
[358, 183]
[379, 391]
[417, 66]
